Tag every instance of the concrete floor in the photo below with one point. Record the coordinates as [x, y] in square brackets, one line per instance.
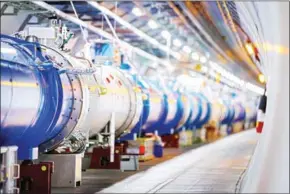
[216, 167]
[96, 180]
[213, 168]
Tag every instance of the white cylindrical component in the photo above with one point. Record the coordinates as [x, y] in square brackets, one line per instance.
[112, 137]
[172, 108]
[103, 92]
[195, 109]
[216, 112]
[250, 111]
[118, 96]
[238, 109]
[185, 100]
[156, 107]
[12, 169]
[224, 111]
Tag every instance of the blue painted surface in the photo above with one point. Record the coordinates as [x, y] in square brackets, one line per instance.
[152, 125]
[174, 98]
[31, 101]
[172, 124]
[242, 114]
[137, 129]
[188, 123]
[196, 122]
[208, 109]
[103, 49]
[158, 150]
[229, 115]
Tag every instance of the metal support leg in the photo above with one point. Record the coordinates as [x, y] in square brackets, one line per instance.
[9, 170]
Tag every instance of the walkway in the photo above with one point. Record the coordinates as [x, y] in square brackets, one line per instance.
[216, 167]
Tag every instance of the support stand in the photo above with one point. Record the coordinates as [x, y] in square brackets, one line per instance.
[170, 141]
[68, 169]
[35, 178]
[210, 133]
[107, 157]
[129, 162]
[9, 169]
[100, 158]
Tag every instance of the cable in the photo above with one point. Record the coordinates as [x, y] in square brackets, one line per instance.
[76, 14]
[111, 27]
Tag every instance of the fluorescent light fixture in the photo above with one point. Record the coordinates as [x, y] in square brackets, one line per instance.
[170, 68]
[165, 34]
[152, 24]
[186, 49]
[177, 43]
[254, 88]
[262, 78]
[7, 50]
[207, 54]
[203, 59]
[178, 56]
[204, 69]
[137, 12]
[212, 73]
[250, 49]
[195, 56]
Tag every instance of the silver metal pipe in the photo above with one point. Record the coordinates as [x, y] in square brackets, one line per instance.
[112, 137]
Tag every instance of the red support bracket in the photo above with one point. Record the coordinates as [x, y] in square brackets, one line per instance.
[35, 178]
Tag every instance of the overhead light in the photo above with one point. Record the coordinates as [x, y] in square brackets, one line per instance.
[195, 56]
[186, 49]
[178, 56]
[207, 54]
[177, 43]
[249, 48]
[203, 59]
[242, 82]
[165, 34]
[170, 68]
[212, 73]
[254, 88]
[204, 69]
[137, 12]
[152, 24]
[8, 50]
[262, 78]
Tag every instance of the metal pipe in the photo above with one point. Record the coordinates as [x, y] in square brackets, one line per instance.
[111, 26]
[134, 29]
[112, 137]
[76, 14]
[100, 32]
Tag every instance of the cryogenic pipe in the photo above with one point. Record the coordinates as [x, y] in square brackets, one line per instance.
[173, 106]
[38, 97]
[206, 110]
[187, 107]
[58, 105]
[199, 111]
[240, 113]
[157, 108]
